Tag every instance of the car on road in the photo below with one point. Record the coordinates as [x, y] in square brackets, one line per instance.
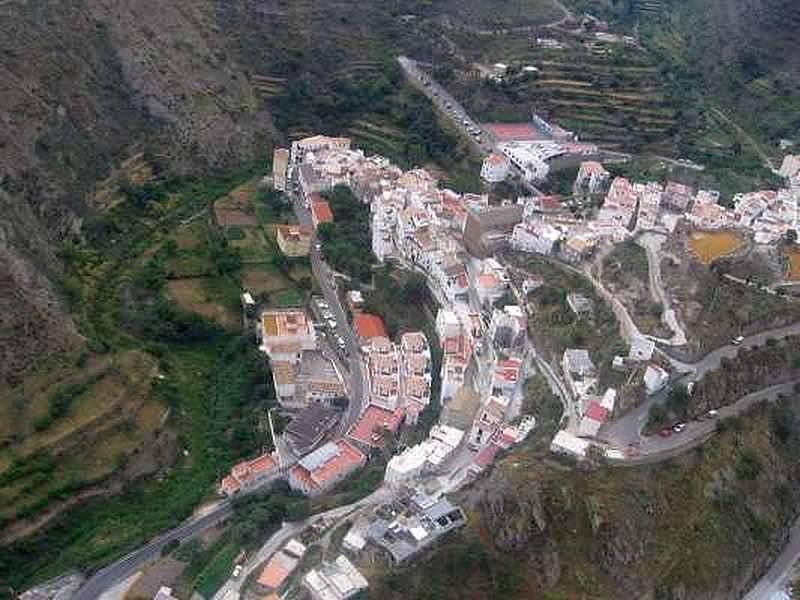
[678, 427]
[713, 413]
[237, 570]
[737, 341]
[665, 433]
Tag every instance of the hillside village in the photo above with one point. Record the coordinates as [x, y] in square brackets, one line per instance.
[453, 239]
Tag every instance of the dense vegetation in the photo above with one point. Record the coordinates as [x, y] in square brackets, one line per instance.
[215, 381]
[347, 242]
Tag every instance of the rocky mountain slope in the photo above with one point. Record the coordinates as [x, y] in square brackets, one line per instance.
[84, 85]
[704, 526]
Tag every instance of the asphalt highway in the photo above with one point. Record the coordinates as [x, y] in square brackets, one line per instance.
[128, 565]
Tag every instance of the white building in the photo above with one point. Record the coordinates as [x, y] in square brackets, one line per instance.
[791, 166]
[655, 378]
[337, 580]
[531, 157]
[454, 369]
[280, 164]
[569, 444]
[285, 334]
[317, 142]
[448, 325]
[591, 179]
[495, 168]
[538, 238]
[579, 371]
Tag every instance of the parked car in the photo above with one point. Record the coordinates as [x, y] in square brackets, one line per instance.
[678, 427]
[713, 413]
[237, 570]
[737, 340]
[665, 433]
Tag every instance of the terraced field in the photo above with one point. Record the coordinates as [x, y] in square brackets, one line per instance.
[75, 436]
[616, 100]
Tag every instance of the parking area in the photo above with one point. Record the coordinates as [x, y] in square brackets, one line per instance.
[326, 324]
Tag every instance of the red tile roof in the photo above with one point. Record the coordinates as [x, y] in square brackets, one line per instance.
[507, 132]
[487, 455]
[596, 412]
[369, 326]
[348, 459]
[322, 211]
[373, 420]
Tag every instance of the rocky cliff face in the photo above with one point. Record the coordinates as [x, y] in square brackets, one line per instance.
[702, 527]
[84, 85]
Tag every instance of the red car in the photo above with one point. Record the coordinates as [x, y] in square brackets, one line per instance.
[665, 433]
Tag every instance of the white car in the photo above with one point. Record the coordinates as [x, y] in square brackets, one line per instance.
[737, 341]
[237, 570]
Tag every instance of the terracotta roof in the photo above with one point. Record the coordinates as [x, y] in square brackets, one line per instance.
[277, 570]
[229, 485]
[372, 421]
[262, 464]
[322, 211]
[496, 160]
[487, 281]
[347, 460]
[487, 455]
[369, 326]
[597, 412]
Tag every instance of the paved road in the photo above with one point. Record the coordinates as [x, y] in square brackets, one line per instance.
[778, 576]
[128, 565]
[326, 280]
[651, 449]
[628, 428]
[232, 588]
[452, 109]
[713, 359]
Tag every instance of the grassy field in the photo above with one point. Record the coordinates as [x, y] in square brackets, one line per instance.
[74, 436]
[197, 295]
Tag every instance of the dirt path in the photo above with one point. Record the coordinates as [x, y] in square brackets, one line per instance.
[747, 137]
[21, 529]
[652, 246]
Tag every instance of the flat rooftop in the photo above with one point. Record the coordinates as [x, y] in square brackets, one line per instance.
[515, 132]
[286, 323]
